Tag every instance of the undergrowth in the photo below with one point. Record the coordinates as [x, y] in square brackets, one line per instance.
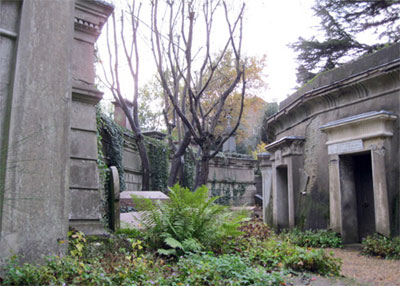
[188, 241]
[382, 246]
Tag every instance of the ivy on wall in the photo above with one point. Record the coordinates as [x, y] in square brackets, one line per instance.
[188, 170]
[158, 154]
[114, 150]
[228, 192]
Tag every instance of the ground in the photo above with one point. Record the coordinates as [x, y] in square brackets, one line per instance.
[358, 270]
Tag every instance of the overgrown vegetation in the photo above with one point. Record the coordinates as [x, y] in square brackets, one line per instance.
[188, 241]
[158, 154]
[188, 222]
[379, 245]
[313, 238]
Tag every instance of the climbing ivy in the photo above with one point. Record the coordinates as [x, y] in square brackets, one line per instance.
[158, 154]
[228, 192]
[114, 150]
[188, 170]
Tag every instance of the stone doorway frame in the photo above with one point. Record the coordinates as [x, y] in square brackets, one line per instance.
[366, 132]
[286, 152]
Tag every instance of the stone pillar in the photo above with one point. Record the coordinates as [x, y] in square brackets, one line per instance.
[36, 196]
[381, 204]
[266, 173]
[334, 194]
[86, 206]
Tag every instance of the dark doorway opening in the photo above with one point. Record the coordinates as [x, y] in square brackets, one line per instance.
[358, 211]
[282, 197]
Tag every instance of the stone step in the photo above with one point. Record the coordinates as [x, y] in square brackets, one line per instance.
[126, 197]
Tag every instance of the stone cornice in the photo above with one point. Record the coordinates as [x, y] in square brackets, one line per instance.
[291, 143]
[362, 126]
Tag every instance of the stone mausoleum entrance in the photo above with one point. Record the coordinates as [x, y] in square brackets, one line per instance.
[358, 196]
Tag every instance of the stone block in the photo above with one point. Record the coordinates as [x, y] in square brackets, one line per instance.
[131, 161]
[83, 115]
[83, 174]
[83, 145]
[85, 204]
[83, 53]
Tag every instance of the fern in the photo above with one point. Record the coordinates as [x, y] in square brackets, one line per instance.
[188, 222]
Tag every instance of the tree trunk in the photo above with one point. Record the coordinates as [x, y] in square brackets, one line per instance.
[202, 169]
[176, 163]
[145, 163]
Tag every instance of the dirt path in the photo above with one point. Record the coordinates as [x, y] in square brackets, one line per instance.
[358, 270]
[368, 270]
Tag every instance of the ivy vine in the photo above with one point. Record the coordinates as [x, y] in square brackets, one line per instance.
[228, 192]
[158, 154]
[112, 132]
[188, 170]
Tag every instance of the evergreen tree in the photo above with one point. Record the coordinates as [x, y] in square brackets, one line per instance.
[343, 23]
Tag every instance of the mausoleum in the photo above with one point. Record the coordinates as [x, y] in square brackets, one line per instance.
[335, 151]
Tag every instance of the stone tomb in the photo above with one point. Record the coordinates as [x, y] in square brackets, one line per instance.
[358, 196]
[287, 161]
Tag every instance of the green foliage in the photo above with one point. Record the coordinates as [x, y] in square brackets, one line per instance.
[313, 238]
[76, 243]
[188, 170]
[188, 222]
[108, 129]
[158, 154]
[273, 253]
[342, 23]
[231, 270]
[256, 229]
[227, 192]
[379, 245]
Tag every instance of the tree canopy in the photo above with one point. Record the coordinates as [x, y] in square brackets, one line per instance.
[348, 27]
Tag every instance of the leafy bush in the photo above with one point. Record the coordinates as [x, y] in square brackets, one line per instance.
[188, 222]
[379, 245]
[313, 238]
[207, 269]
[255, 228]
[273, 254]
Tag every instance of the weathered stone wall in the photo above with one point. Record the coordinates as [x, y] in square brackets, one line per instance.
[48, 168]
[370, 84]
[235, 174]
[35, 129]
[86, 205]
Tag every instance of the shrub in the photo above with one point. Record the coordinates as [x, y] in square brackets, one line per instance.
[255, 228]
[379, 245]
[207, 269]
[274, 254]
[188, 222]
[313, 238]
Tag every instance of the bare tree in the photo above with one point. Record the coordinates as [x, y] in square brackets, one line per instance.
[185, 76]
[113, 78]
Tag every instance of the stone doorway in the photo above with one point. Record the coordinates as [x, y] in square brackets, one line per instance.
[282, 197]
[357, 192]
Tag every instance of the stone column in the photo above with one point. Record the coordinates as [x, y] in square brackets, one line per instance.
[334, 194]
[86, 206]
[35, 213]
[381, 204]
[266, 173]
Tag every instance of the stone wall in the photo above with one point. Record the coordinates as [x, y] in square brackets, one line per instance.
[35, 112]
[86, 205]
[48, 169]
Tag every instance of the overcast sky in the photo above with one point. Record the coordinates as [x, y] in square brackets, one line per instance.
[269, 27]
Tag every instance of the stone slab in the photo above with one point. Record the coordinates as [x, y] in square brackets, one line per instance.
[131, 220]
[83, 144]
[83, 174]
[126, 196]
[345, 147]
[85, 204]
[82, 116]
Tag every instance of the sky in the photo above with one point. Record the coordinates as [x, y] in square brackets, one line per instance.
[269, 27]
